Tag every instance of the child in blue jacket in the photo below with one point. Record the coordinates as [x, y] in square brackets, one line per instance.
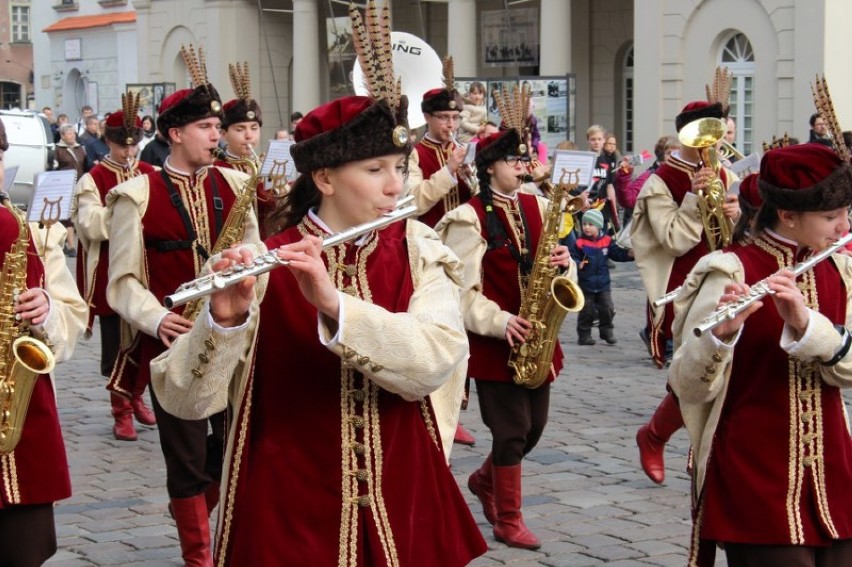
[590, 251]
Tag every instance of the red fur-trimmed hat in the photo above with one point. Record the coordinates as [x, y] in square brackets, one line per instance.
[749, 191]
[348, 129]
[805, 177]
[244, 108]
[499, 145]
[698, 109]
[190, 105]
[125, 127]
[437, 100]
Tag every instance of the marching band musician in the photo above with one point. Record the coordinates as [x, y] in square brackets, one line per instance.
[241, 124]
[91, 218]
[496, 235]
[761, 392]
[433, 166]
[433, 179]
[668, 239]
[164, 225]
[368, 329]
[34, 475]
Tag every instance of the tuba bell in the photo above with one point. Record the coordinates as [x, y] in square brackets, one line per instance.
[703, 135]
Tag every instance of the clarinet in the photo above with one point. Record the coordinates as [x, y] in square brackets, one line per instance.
[215, 281]
[761, 289]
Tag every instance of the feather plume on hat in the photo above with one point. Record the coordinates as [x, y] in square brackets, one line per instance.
[720, 92]
[825, 108]
[372, 42]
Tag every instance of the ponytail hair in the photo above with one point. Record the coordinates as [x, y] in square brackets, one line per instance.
[303, 196]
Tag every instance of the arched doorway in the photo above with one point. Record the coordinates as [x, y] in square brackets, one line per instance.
[76, 86]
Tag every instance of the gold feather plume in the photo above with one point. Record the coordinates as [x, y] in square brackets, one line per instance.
[196, 64]
[130, 108]
[513, 107]
[449, 73]
[721, 90]
[372, 42]
[776, 143]
[825, 108]
[240, 80]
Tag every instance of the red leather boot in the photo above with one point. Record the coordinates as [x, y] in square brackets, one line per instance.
[123, 415]
[509, 527]
[482, 485]
[143, 413]
[652, 438]
[193, 530]
[463, 436]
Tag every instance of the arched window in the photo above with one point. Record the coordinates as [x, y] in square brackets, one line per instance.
[738, 56]
[627, 98]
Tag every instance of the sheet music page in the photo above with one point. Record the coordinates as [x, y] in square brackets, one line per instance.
[571, 161]
[52, 192]
[9, 178]
[277, 153]
[749, 164]
[470, 155]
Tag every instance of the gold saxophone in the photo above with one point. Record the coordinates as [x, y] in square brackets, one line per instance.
[546, 301]
[234, 227]
[703, 134]
[22, 358]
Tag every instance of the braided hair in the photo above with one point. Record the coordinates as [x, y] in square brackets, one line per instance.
[496, 234]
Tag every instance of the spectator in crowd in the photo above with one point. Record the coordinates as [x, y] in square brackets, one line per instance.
[81, 125]
[149, 130]
[295, 118]
[474, 115]
[282, 134]
[819, 131]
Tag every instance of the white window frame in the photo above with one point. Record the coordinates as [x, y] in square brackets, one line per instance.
[21, 32]
[741, 64]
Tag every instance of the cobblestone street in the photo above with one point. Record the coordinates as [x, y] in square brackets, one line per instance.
[584, 493]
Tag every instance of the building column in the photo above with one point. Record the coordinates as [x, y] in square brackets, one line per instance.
[461, 36]
[555, 41]
[306, 56]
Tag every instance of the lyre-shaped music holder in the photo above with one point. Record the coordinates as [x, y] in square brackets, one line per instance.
[50, 214]
[278, 177]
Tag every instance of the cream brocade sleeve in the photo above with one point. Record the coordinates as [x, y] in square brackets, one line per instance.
[68, 314]
[90, 217]
[127, 290]
[428, 343]
[427, 192]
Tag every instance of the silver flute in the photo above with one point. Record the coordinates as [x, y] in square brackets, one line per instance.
[761, 289]
[667, 298]
[215, 281]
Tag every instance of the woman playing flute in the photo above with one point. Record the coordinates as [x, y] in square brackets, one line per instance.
[761, 393]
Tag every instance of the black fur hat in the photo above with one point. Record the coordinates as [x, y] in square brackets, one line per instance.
[499, 145]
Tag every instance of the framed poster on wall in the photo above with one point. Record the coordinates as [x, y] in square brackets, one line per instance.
[146, 97]
[552, 101]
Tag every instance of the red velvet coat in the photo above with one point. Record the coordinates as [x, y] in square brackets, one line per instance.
[334, 470]
[780, 465]
[501, 282]
[167, 270]
[679, 182]
[106, 175]
[36, 471]
[432, 158]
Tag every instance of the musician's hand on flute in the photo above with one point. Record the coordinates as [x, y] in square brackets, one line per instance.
[789, 302]
[306, 265]
[229, 307]
[456, 158]
[729, 328]
[517, 330]
[560, 256]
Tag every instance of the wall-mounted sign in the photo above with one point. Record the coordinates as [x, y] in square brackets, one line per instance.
[73, 49]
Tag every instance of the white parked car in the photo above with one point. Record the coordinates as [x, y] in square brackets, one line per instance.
[31, 148]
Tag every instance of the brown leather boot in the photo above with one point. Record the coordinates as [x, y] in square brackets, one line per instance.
[123, 415]
[652, 438]
[193, 530]
[482, 485]
[141, 412]
[509, 527]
